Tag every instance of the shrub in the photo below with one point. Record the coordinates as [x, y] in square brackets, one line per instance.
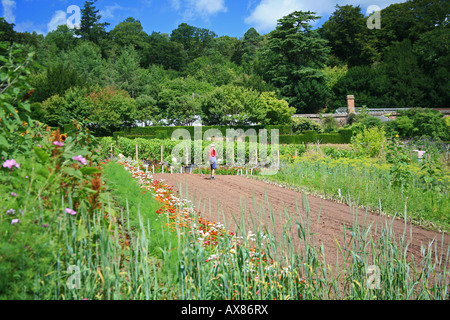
[370, 142]
[300, 125]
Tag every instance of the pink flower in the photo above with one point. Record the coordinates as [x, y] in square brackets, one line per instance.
[80, 159]
[58, 144]
[13, 194]
[14, 221]
[71, 211]
[11, 163]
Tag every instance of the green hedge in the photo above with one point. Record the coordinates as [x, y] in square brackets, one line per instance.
[166, 132]
[343, 136]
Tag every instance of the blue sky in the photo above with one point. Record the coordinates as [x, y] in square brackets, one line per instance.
[224, 17]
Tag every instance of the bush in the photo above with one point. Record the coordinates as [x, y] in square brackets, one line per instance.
[419, 122]
[300, 125]
[370, 142]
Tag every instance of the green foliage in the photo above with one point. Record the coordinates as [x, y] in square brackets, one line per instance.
[14, 104]
[296, 53]
[277, 112]
[91, 29]
[329, 124]
[366, 83]
[194, 40]
[347, 32]
[371, 142]
[419, 122]
[397, 155]
[300, 125]
[230, 105]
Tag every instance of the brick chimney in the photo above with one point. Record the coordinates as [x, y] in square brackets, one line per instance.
[351, 104]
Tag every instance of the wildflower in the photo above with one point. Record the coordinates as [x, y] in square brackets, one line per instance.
[63, 137]
[11, 163]
[13, 194]
[14, 221]
[80, 159]
[58, 144]
[11, 211]
[71, 211]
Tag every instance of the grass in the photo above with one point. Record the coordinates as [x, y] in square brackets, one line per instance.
[369, 184]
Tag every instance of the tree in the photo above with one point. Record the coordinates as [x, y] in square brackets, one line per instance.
[251, 43]
[230, 105]
[162, 51]
[86, 59]
[91, 29]
[348, 35]
[409, 20]
[406, 83]
[130, 33]
[296, 55]
[367, 83]
[110, 109]
[63, 37]
[7, 33]
[432, 52]
[195, 40]
[128, 75]
[212, 68]
[54, 81]
[276, 111]
[55, 111]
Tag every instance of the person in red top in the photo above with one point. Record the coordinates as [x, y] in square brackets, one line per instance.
[213, 160]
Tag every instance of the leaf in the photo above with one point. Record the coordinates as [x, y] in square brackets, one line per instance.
[42, 155]
[90, 170]
[3, 142]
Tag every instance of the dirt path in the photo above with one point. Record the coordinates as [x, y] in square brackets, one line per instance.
[228, 194]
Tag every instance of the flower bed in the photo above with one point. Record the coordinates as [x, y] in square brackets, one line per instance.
[233, 256]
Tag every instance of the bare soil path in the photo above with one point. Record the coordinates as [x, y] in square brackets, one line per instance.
[219, 199]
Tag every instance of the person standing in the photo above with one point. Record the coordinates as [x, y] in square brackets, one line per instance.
[420, 154]
[213, 160]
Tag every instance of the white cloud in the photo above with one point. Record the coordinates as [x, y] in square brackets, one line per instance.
[199, 8]
[59, 18]
[108, 12]
[8, 10]
[265, 15]
[29, 26]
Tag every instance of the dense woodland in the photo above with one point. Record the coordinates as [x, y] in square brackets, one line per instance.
[117, 77]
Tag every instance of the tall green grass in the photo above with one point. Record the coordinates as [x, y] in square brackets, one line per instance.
[369, 184]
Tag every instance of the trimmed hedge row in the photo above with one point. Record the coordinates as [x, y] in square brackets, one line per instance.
[343, 136]
[163, 133]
